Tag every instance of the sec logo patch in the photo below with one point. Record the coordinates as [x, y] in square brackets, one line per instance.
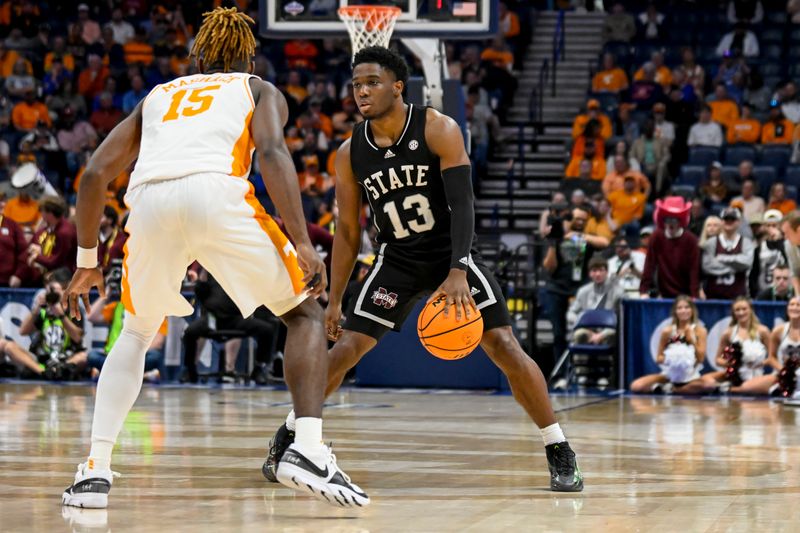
[413, 145]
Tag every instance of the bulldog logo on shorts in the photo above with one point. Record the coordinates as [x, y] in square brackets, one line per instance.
[383, 298]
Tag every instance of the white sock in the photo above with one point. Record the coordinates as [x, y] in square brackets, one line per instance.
[119, 386]
[308, 438]
[552, 434]
[290, 421]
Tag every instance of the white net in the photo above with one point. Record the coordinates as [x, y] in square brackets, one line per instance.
[369, 25]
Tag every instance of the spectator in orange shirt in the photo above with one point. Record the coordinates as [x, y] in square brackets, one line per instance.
[295, 87]
[777, 199]
[498, 54]
[93, 78]
[508, 22]
[586, 167]
[138, 50]
[627, 204]
[615, 180]
[777, 129]
[611, 79]
[106, 117]
[587, 146]
[59, 50]
[23, 210]
[321, 121]
[723, 110]
[663, 73]
[26, 115]
[301, 54]
[745, 129]
[8, 58]
[592, 113]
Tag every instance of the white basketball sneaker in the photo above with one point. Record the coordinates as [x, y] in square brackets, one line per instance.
[328, 484]
[90, 489]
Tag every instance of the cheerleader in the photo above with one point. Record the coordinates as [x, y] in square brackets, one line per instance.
[681, 352]
[784, 344]
[742, 351]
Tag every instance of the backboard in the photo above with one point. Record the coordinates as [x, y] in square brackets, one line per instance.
[444, 19]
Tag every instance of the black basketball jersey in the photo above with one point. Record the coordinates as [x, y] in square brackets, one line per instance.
[403, 184]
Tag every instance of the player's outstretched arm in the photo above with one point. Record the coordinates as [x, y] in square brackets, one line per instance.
[116, 153]
[347, 239]
[443, 137]
[280, 177]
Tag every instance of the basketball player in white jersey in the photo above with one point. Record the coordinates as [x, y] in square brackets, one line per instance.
[193, 140]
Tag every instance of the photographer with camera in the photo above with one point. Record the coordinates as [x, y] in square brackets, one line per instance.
[569, 250]
[109, 311]
[55, 352]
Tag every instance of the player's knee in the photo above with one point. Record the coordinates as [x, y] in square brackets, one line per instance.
[308, 311]
[504, 349]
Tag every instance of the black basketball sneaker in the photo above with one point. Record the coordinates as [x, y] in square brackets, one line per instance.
[565, 476]
[277, 446]
[328, 484]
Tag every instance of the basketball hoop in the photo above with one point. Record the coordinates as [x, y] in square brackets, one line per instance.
[369, 25]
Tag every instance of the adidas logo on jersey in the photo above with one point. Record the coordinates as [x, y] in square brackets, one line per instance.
[389, 154]
[465, 260]
[473, 291]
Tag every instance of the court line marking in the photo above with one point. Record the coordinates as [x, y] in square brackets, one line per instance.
[613, 395]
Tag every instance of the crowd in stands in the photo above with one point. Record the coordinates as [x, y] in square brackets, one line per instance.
[70, 72]
[695, 109]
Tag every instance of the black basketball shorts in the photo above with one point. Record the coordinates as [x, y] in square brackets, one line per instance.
[394, 285]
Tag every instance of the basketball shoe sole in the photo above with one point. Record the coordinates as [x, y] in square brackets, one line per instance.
[329, 484]
[90, 489]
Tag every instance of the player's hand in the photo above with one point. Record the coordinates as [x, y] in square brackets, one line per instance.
[660, 359]
[315, 279]
[333, 316]
[456, 288]
[82, 282]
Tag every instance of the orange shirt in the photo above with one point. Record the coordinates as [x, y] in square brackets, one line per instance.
[7, 63]
[615, 181]
[499, 58]
[744, 130]
[574, 168]
[626, 208]
[599, 228]
[25, 116]
[511, 24]
[136, 52]
[90, 83]
[23, 213]
[580, 123]
[297, 92]
[784, 207]
[612, 81]
[768, 133]
[66, 59]
[724, 112]
[663, 75]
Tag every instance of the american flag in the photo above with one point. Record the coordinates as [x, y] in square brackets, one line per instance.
[465, 9]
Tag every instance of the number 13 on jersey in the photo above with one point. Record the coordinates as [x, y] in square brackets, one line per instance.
[196, 96]
[423, 207]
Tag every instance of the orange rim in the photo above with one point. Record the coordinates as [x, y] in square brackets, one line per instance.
[365, 13]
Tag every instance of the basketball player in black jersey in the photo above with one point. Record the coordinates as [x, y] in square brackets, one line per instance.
[412, 165]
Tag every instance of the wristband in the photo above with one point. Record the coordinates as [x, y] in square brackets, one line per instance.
[87, 257]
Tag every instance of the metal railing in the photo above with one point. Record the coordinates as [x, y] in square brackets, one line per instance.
[559, 41]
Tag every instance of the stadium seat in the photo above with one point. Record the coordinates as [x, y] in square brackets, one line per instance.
[792, 176]
[686, 191]
[772, 35]
[703, 155]
[593, 319]
[791, 191]
[691, 175]
[737, 153]
[776, 155]
[608, 102]
[766, 176]
[772, 51]
[794, 37]
[771, 69]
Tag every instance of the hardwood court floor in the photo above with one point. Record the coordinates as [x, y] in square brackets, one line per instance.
[191, 458]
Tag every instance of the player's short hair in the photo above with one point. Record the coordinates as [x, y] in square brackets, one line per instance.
[793, 219]
[388, 59]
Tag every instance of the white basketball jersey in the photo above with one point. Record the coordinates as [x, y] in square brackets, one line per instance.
[196, 124]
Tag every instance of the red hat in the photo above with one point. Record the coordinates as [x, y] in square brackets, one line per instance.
[672, 206]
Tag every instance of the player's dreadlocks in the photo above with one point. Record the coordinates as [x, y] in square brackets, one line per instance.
[225, 38]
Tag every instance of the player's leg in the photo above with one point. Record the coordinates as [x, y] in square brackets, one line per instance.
[255, 264]
[524, 376]
[117, 390]
[156, 258]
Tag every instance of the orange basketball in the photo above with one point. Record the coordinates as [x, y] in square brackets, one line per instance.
[445, 338]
